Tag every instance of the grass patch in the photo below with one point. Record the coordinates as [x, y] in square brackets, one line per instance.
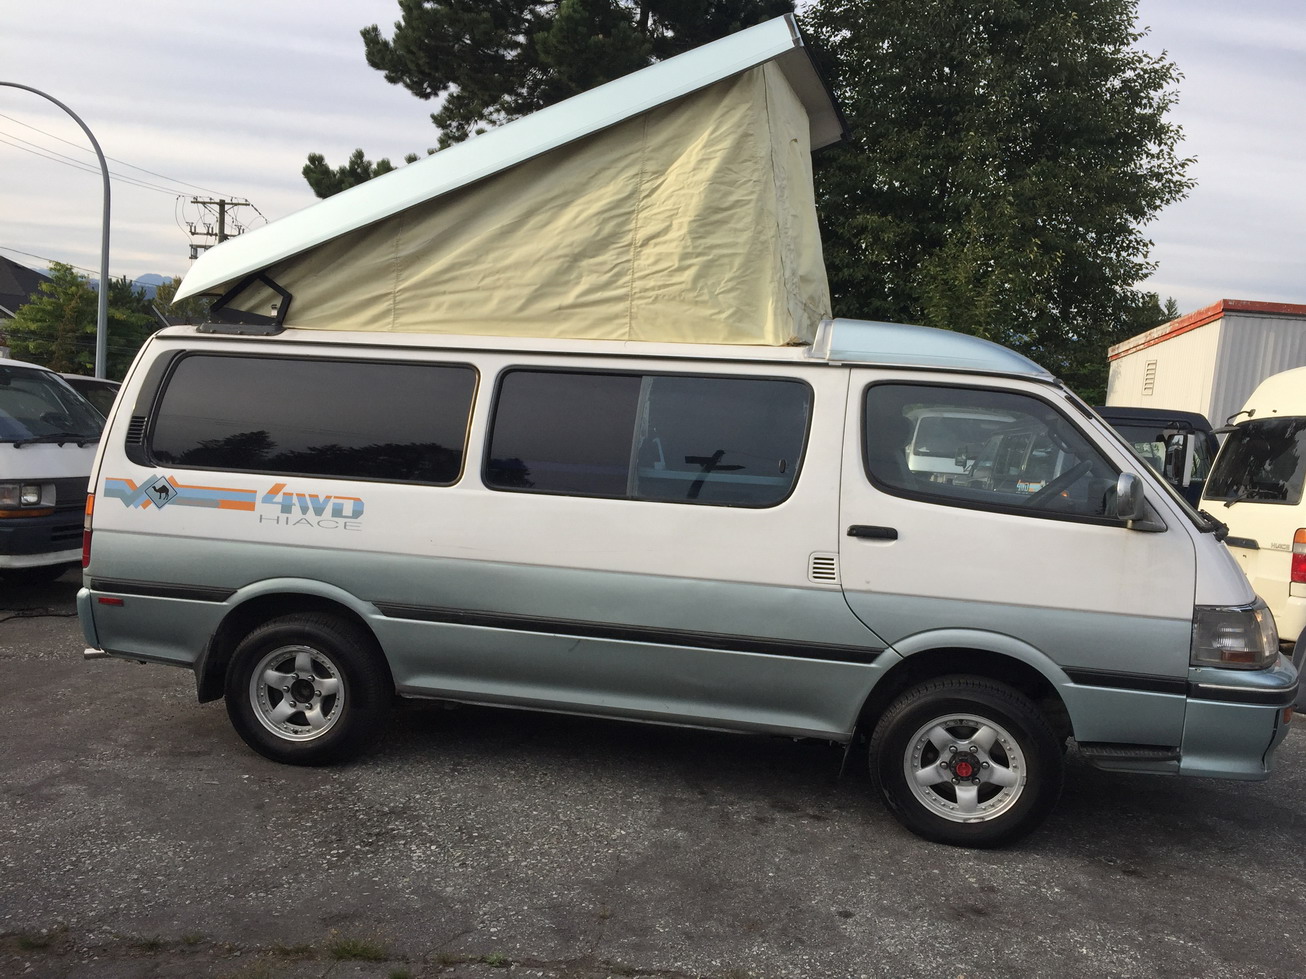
[38, 941]
[294, 951]
[149, 945]
[357, 950]
[496, 959]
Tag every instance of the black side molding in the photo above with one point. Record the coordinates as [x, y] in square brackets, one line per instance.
[763, 645]
[1146, 682]
[1259, 696]
[159, 589]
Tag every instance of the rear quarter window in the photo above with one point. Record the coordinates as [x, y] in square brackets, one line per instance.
[307, 416]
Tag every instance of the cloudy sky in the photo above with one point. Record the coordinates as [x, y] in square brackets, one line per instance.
[210, 100]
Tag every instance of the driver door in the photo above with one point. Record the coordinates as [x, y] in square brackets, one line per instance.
[1022, 544]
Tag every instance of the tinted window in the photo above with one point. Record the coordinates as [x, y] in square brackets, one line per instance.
[692, 439]
[1008, 451]
[358, 419]
[563, 433]
[1262, 461]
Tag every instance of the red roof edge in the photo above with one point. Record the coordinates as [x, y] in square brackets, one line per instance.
[1208, 314]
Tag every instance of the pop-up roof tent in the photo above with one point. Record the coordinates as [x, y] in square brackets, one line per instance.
[674, 204]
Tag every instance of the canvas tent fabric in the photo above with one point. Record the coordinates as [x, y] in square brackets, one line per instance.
[693, 222]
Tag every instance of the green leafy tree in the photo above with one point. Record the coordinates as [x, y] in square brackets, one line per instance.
[1005, 156]
[490, 61]
[131, 321]
[52, 329]
[58, 328]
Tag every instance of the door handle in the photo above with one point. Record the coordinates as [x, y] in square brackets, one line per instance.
[872, 533]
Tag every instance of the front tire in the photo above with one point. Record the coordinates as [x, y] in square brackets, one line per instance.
[308, 689]
[966, 761]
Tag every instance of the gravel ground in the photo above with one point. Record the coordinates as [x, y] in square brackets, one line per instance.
[139, 837]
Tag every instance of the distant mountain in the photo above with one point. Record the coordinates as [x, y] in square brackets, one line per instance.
[148, 283]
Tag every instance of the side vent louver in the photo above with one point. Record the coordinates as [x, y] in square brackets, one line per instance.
[824, 569]
[136, 430]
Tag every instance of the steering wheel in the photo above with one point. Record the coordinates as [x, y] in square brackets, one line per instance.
[1058, 483]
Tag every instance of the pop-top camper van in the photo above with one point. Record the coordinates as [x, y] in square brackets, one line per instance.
[594, 444]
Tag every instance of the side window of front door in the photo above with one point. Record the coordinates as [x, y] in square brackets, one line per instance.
[983, 448]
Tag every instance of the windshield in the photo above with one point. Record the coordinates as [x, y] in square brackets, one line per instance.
[1262, 461]
[37, 405]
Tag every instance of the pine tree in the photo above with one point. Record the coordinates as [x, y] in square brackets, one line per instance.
[1005, 156]
[491, 61]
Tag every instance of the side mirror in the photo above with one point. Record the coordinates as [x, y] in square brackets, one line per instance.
[1131, 503]
[1180, 450]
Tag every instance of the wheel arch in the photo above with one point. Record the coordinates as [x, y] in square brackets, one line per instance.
[262, 603]
[957, 652]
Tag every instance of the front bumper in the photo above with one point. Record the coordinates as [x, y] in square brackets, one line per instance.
[36, 542]
[1235, 720]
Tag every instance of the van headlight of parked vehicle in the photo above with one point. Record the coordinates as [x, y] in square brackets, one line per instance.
[26, 499]
[1238, 638]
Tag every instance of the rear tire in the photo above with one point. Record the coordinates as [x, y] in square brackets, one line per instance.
[308, 689]
[966, 761]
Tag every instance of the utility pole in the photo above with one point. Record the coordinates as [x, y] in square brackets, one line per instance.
[223, 205]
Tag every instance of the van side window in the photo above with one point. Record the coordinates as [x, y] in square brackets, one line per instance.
[984, 448]
[315, 417]
[727, 441]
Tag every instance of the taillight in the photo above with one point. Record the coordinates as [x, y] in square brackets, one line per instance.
[86, 530]
[1299, 556]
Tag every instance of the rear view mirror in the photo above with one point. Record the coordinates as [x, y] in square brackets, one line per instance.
[1180, 448]
[1131, 502]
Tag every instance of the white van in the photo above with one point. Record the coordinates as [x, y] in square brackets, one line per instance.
[720, 536]
[48, 438]
[1256, 487]
[946, 443]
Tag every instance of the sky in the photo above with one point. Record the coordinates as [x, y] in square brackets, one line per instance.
[193, 100]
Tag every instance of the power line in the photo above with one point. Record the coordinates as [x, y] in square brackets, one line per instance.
[47, 260]
[56, 157]
[174, 180]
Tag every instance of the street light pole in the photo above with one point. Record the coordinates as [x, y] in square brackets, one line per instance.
[102, 314]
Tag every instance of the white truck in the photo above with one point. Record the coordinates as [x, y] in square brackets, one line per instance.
[1256, 487]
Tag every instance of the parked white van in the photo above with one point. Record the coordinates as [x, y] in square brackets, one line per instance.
[710, 535]
[48, 438]
[1256, 487]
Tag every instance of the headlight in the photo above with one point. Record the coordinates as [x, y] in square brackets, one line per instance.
[19, 496]
[1240, 638]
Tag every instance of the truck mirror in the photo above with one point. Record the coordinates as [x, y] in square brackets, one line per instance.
[1180, 451]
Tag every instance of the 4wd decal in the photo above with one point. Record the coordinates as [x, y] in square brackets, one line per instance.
[279, 504]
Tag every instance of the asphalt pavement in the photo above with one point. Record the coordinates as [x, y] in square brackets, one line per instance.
[140, 837]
